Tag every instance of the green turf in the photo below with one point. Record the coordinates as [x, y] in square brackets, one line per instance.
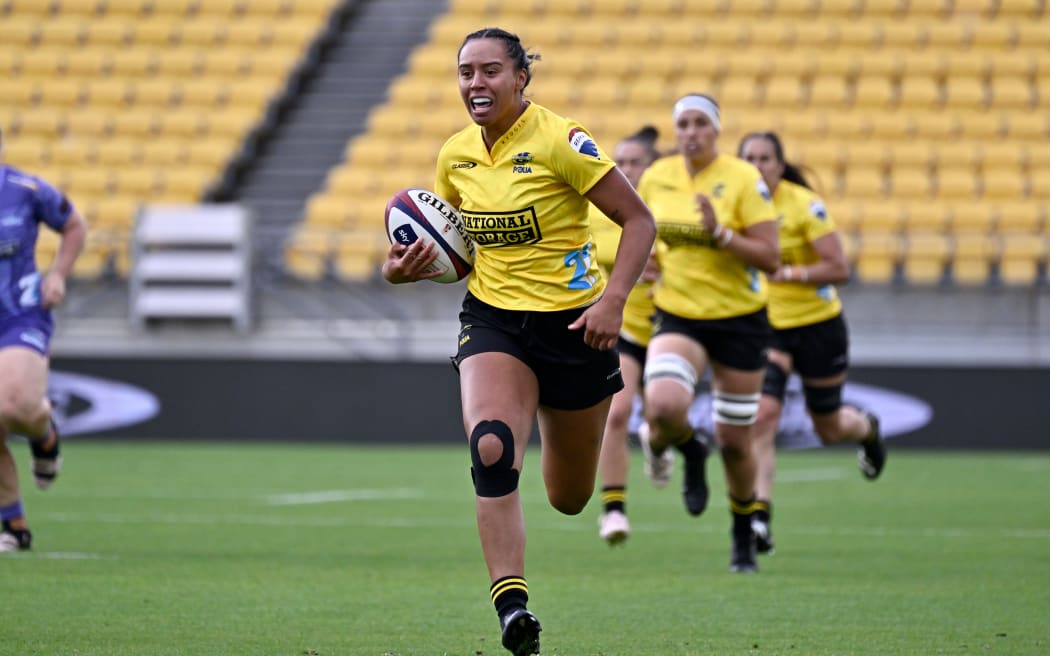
[149, 549]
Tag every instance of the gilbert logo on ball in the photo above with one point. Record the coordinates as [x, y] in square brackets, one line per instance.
[413, 214]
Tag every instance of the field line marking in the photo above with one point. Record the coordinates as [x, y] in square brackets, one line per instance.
[333, 496]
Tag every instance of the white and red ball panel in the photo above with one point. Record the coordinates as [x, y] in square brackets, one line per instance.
[413, 214]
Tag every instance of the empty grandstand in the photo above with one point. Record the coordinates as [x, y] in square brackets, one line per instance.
[924, 122]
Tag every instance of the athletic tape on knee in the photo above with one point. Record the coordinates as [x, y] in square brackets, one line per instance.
[670, 366]
[500, 478]
[735, 409]
[823, 400]
[775, 381]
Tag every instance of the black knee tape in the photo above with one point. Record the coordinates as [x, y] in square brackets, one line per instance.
[823, 400]
[775, 381]
[500, 478]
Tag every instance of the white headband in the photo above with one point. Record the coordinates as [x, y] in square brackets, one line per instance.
[700, 103]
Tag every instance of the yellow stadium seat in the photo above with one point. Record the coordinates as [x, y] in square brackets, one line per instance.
[62, 92]
[1023, 9]
[1020, 216]
[115, 211]
[884, 8]
[782, 92]
[27, 152]
[42, 62]
[904, 34]
[972, 257]
[1001, 155]
[971, 217]
[329, 211]
[158, 31]
[945, 35]
[923, 64]
[926, 257]
[138, 122]
[216, 9]
[185, 184]
[935, 125]
[110, 33]
[163, 152]
[19, 93]
[128, 8]
[863, 183]
[136, 182]
[42, 122]
[956, 184]
[907, 183]
[1003, 185]
[114, 93]
[72, 152]
[133, 62]
[828, 92]
[270, 8]
[307, 253]
[1039, 184]
[89, 122]
[1026, 126]
[843, 125]
[959, 155]
[117, 153]
[61, 32]
[880, 218]
[18, 31]
[1036, 156]
[918, 92]
[1021, 257]
[90, 181]
[156, 92]
[914, 153]
[866, 154]
[203, 93]
[180, 62]
[890, 126]
[824, 155]
[965, 93]
[991, 35]
[925, 216]
[873, 92]
[972, 8]
[1011, 93]
[358, 255]
[182, 122]
[877, 257]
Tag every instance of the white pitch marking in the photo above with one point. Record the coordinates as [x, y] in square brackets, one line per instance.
[568, 526]
[332, 496]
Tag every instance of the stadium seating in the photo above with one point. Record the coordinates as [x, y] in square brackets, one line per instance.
[923, 122]
[125, 102]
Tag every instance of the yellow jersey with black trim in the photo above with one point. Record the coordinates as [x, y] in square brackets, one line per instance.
[638, 310]
[523, 204]
[803, 220]
[699, 279]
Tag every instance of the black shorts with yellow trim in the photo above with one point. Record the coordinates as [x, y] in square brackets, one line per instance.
[818, 350]
[571, 375]
[737, 342]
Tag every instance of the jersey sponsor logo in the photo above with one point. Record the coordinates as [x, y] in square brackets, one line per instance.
[502, 228]
[8, 248]
[23, 181]
[817, 209]
[522, 162]
[34, 337]
[718, 190]
[763, 190]
[582, 143]
[464, 165]
[11, 221]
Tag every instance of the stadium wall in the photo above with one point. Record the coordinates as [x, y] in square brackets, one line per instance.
[973, 407]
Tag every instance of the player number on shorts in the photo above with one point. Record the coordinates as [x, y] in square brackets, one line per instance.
[581, 260]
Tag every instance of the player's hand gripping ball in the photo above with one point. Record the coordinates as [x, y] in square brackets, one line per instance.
[413, 214]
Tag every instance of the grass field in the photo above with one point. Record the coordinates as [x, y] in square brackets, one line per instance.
[156, 549]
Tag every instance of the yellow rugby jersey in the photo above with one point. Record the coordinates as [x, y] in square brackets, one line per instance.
[700, 279]
[638, 310]
[803, 220]
[523, 206]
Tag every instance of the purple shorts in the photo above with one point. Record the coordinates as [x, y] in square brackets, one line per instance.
[31, 330]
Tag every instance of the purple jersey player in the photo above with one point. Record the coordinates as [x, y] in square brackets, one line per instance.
[28, 205]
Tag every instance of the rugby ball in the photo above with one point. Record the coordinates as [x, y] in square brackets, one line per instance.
[413, 214]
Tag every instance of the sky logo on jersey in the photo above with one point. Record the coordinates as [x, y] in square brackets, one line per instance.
[817, 209]
[11, 221]
[582, 143]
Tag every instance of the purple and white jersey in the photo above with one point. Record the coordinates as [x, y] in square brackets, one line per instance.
[26, 201]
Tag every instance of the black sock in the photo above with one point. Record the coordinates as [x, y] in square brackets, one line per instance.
[763, 510]
[509, 592]
[614, 497]
[742, 511]
[692, 447]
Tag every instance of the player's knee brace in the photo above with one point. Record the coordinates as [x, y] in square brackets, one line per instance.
[823, 400]
[735, 409]
[775, 381]
[671, 366]
[500, 478]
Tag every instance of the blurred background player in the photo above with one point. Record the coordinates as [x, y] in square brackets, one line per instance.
[633, 155]
[810, 335]
[718, 233]
[26, 325]
[539, 321]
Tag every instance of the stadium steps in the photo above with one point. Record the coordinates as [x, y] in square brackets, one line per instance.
[371, 45]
